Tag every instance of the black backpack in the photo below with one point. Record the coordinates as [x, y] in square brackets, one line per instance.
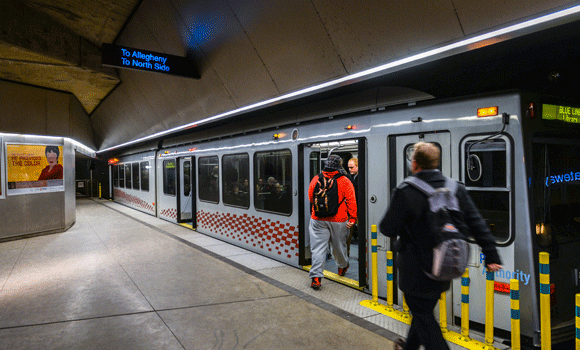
[445, 252]
[325, 196]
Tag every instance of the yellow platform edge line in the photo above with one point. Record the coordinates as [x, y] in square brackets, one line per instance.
[335, 277]
[451, 336]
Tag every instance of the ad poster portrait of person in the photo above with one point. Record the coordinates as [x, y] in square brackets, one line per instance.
[34, 168]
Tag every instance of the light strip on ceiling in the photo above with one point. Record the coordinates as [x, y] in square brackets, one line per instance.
[543, 22]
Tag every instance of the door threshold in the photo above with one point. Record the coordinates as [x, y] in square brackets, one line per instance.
[340, 279]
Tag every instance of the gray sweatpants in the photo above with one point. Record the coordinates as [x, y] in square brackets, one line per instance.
[321, 233]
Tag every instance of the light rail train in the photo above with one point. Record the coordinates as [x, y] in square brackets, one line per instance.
[517, 154]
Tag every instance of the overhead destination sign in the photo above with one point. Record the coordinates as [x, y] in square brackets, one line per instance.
[130, 58]
[564, 113]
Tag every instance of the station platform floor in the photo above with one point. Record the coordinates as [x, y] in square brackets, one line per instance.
[122, 279]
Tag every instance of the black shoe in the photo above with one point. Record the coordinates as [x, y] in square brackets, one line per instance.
[399, 344]
[316, 283]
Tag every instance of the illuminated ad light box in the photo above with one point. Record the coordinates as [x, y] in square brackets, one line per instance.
[562, 113]
[34, 169]
[149, 61]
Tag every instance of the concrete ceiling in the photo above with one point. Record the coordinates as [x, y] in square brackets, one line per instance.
[56, 44]
[245, 51]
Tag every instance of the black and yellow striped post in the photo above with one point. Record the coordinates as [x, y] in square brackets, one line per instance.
[390, 280]
[545, 322]
[375, 264]
[577, 321]
[489, 308]
[465, 304]
[443, 312]
[515, 307]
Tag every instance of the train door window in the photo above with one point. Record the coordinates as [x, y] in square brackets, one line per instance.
[144, 176]
[235, 180]
[186, 178]
[408, 150]
[486, 175]
[273, 181]
[135, 170]
[128, 175]
[208, 179]
[169, 180]
[556, 192]
[116, 175]
[121, 175]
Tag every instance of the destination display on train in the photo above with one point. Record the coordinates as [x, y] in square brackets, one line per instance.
[563, 113]
[131, 58]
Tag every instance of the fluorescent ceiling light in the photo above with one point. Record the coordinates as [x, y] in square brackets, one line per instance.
[543, 22]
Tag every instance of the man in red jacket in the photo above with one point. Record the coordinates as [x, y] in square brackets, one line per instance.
[333, 229]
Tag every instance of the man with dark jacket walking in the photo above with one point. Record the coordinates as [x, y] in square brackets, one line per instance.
[406, 217]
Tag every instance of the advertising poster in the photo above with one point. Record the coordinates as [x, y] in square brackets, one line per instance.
[34, 169]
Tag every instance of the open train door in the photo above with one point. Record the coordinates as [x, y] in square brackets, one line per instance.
[311, 158]
[186, 190]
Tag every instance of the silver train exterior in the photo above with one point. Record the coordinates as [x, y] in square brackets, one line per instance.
[519, 163]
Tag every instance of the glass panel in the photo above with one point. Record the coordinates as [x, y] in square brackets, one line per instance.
[235, 183]
[408, 151]
[121, 175]
[494, 207]
[273, 181]
[486, 163]
[556, 189]
[169, 177]
[208, 179]
[116, 175]
[128, 175]
[186, 178]
[145, 176]
[135, 170]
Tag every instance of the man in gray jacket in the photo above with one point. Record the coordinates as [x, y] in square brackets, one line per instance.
[406, 217]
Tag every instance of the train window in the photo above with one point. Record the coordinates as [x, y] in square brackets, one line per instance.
[128, 175]
[208, 179]
[116, 175]
[235, 180]
[135, 171]
[556, 192]
[144, 176]
[408, 151]
[186, 178]
[121, 175]
[485, 174]
[169, 177]
[273, 181]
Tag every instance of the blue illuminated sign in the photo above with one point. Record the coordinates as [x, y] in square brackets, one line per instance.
[554, 179]
[130, 58]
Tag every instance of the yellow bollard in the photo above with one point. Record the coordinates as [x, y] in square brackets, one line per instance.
[405, 307]
[577, 321]
[375, 264]
[545, 322]
[465, 304]
[390, 280]
[489, 308]
[99, 191]
[443, 312]
[515, 306]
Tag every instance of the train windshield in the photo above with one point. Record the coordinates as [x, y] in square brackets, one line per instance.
[556, 192]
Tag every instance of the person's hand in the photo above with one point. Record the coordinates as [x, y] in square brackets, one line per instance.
[494, 267]
[349, 224]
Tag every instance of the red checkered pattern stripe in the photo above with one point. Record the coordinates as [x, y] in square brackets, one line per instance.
[135, 201]
[273, 236]
[169, 213]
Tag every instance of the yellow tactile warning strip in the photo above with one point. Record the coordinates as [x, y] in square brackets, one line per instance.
[189, 226]
[451, 336]
[335, 277]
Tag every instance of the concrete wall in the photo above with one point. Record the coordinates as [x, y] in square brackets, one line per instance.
[36, 111]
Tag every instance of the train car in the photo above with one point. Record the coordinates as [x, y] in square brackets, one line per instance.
[516, 153]
[133, 181]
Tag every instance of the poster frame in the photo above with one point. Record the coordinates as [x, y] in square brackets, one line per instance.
[33, 190]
